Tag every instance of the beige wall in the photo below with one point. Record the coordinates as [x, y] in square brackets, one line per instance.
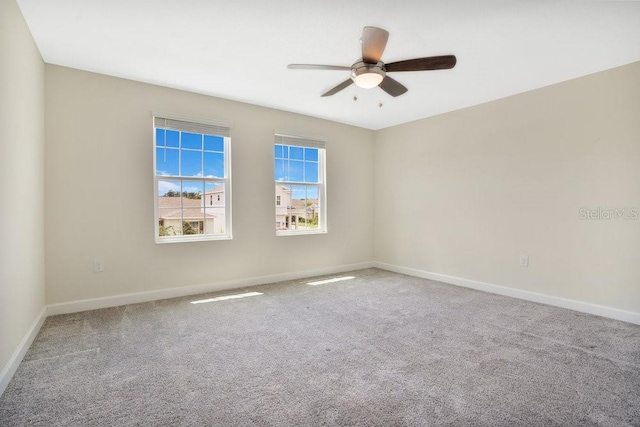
[22, 293]
[99, 191]
[466, 193]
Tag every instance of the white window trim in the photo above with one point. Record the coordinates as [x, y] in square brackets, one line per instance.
[228, 235]
[310, 142]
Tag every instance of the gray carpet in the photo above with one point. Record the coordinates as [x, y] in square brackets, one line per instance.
[380, 349]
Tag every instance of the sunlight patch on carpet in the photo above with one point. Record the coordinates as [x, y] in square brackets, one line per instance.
[335, 279]
[227, 297]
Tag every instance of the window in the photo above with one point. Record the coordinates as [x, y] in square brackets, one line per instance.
[192, 181]
[300, 185]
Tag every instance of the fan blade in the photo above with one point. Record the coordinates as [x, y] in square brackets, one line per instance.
[317, 67]
[338, 88]
[423, 64]
[392, 86]
[373, 40]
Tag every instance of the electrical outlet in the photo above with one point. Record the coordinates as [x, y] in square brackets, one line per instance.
[524, 260]
[98, 265]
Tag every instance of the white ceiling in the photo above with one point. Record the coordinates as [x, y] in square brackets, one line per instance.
[240, 49]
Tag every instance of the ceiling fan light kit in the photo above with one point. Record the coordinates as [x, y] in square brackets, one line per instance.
[366, 75]
[369, 71]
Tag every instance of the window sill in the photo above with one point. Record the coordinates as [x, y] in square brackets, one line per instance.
[300, 232]
[197, 238]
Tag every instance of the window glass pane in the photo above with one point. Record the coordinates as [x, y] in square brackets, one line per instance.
[310, 172]
[214, 165]
[212, 225]
[214, 143]
[312, 211]
[191, 163]
[169, 208]
[278, 151]
[311, 154]
[167, 161]
[296, 153]
[173, 139]
[160, 142]
[214, 202]
[192, 140]
[213, 195]
[169, 189]
[308, 212]
[192, 212]
[282, 209]
[192, 221]
[298, 194]
[169, 222]
[192, 191]
[296, 172]
[298, 207]
[312, 193]
[281, 170]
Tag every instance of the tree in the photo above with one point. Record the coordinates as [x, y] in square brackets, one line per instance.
[186, 194]
[187, 228]
[192, 195]
[166, 231]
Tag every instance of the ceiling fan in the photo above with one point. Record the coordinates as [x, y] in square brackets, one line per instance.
[369, 71]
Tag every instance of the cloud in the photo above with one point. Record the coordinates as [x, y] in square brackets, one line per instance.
[165, 186]
[188, 186]
[191, 189]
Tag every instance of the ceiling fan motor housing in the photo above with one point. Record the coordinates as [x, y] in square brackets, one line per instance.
[367, 75]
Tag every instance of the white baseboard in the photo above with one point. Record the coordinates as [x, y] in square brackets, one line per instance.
[138, 297]
[585, 307]
[12, 366]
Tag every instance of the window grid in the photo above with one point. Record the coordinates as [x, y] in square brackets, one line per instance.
[192, 183]
[300, 199]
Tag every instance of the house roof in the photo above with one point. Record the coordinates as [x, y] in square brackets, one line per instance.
[176, 202]
[301, 203]
[169, 208]
[217, 190]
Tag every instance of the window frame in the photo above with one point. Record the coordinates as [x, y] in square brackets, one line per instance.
[304, 142]
[199, 126]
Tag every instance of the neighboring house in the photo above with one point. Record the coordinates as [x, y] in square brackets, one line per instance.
[290, 213]
[203, 216]
[206, 215]
[213, 205]
[283, 205]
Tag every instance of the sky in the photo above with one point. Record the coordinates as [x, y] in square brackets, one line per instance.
[196, 155]
[297, 164]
